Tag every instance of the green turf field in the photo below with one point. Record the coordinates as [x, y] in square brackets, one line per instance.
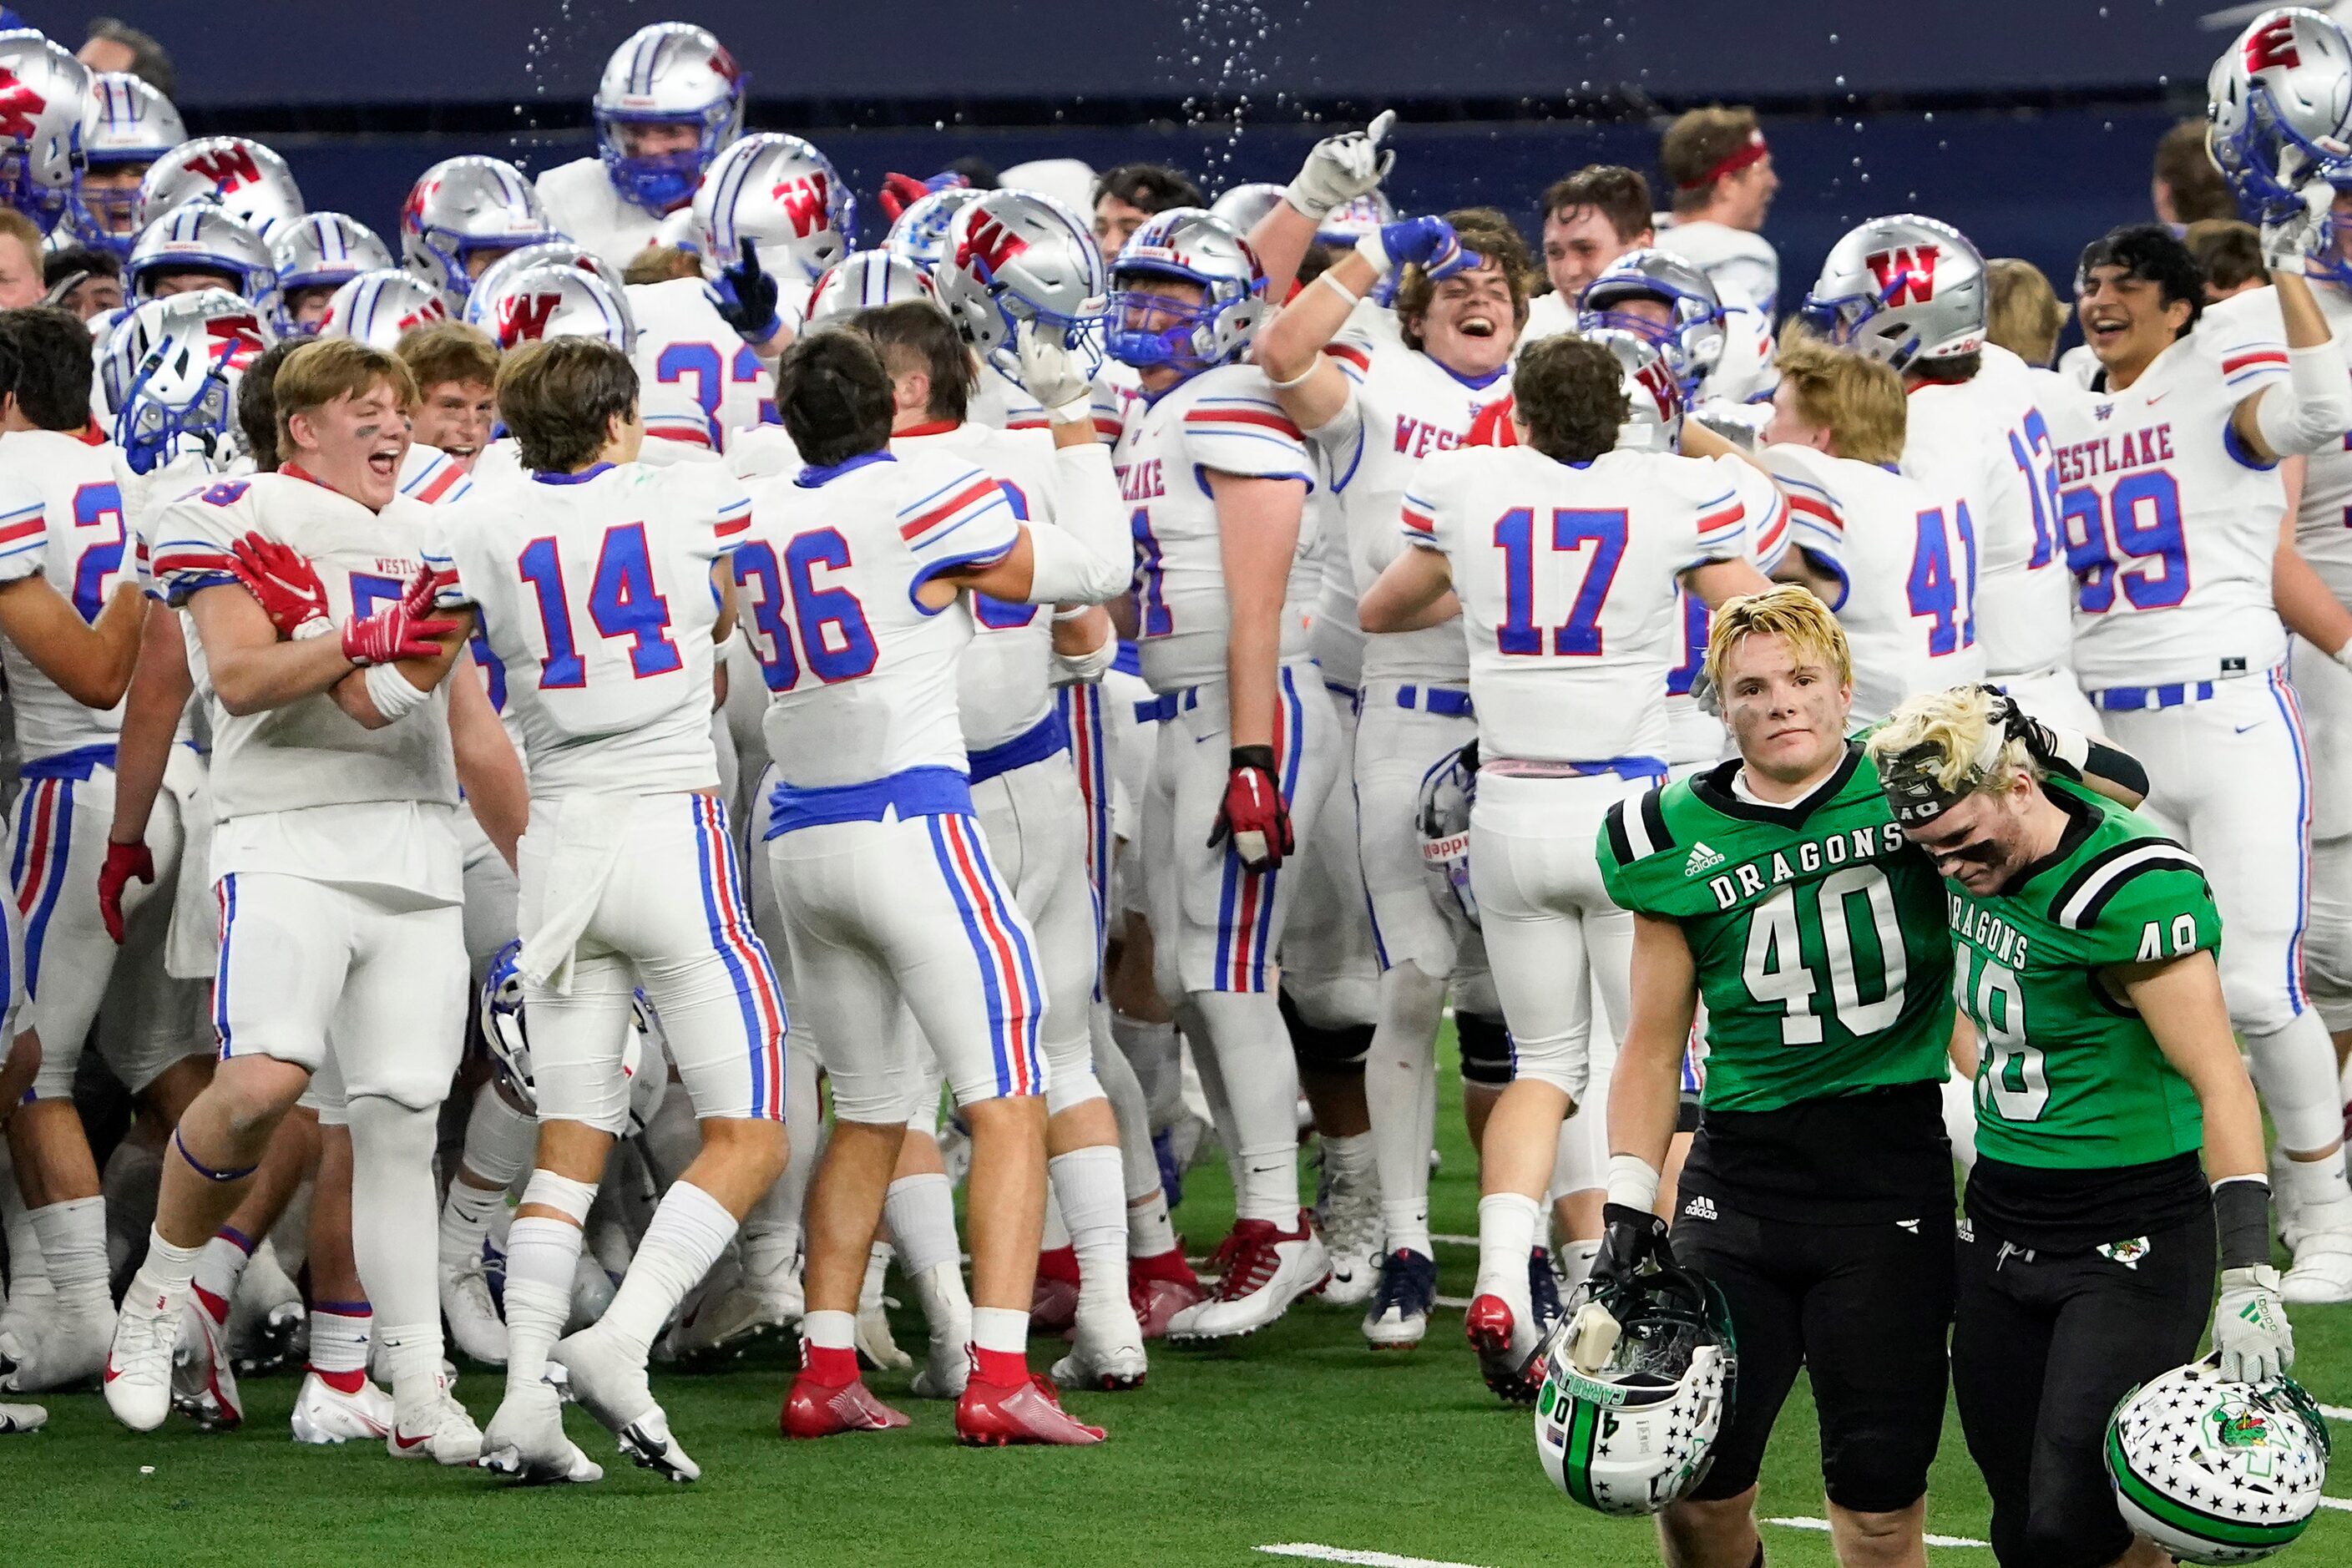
[1299, 1435]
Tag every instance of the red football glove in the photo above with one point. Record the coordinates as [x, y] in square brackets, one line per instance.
[394, 633]
[122, 862]
[898, 193]
[284, 584]
[1254, 815]
[424, 590]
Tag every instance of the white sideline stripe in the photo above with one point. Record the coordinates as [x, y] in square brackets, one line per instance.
[1456, 1241]
[1365, 1559]
[2343, 1504]
[2337, 1412]
[1932, 1539]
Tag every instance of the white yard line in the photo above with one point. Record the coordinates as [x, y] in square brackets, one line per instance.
[1932, 1539]
[2337, 1412]
[2342, 1504]
[1366, 1559]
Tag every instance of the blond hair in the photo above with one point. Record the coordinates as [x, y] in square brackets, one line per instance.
[1857, 400]
[1790, 612]
[2025, 317]
[661, 264]
[319, 372]
[1972, 751]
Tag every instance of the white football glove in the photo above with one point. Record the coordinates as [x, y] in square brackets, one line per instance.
[1052, 374]
[2290, 237]
[2251, 1335]
[1342, 168]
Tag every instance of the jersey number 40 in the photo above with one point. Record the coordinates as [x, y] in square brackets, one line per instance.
[1776, 969]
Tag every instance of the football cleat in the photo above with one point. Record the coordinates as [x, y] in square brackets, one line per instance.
[203, 1388]
[138, 1375]
[2322, 1275]
[812, 1409]
[1543, 1290]
[525, 1440]
[1503, 1352]
[1398, 1314]
[63, 1350]
[1350, 1218]
[436, 1428]
[991, 1416]
[611, 1385]
[1265, 1270]
[1106, 1353]
[475, 1327]
[22, 1418]
[1160, 1288]
[876, 1347]
[325, 1415]
[735, 1306]
[946, 1366]
[1054, 1300]
[266, 1316]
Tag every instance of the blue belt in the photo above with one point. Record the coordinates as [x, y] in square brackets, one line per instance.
[1623, 767]
[1337, 689]
[2132, 698]
[1436, 700]
[1159, 710]
[1049, 736]
[77, 763]
[918, 791]
[1129, 660]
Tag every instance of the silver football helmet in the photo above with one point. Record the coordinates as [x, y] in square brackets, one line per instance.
[241, 176]
[461, 206]
[1185, 245]
[1448, 791]
[921, 234]
[1654, 422]
[554, 300]
[168, 370]
[126, 125]
[1691, 333]
[1014, 257]
[42, 90]
[2281, 93]
[202, 237]
[643, 1054]
[781, 195]
[322, 250]
[1350, 221]
[1905, 290]
[667, 73]
[378, 307]
[863, 279]
[1244, 205]
[554, 252]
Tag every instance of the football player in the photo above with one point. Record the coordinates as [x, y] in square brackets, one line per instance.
[1722, 173]
[670, 99]
[1127, 195]
[1218, 476]
[862, 805]
[1590, 218]
[1376, 413]
[2083, 949]
[455, 367]
[201, 247]
[463, 215]
[22, 282]
[41, 142]
[241, 177]
[315, 256]
[333, 859]
[1555, 623]
[87, 283]
[2174, 518]
[126, 126]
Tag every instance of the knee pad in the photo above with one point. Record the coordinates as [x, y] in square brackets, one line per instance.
[593, 1093]
[1340, 1050]
[1486, 1048]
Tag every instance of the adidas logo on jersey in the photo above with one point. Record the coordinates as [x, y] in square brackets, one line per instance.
[1700, 1207]
[1702, 858]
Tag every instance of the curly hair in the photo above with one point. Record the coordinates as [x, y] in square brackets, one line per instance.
[2154, 254]
[1959, 723]
[1497, 241]
[1571, 394]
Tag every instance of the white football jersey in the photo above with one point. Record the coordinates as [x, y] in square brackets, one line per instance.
[2171, 529]
[310, 753]
[700, 380]
[1549, 315]
[62, 517]
[584, 204]
[1224, 420]
[428, 474]
[2323, 521]
[1404, 407]
[1566, 577]
[861, 677]
[1741, 264]
[595, 600]
[764, 452]
[1905, 558]
[1988, 440]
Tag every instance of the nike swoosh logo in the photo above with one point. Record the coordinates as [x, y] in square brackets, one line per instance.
[110, 1374]
[408, 1442]
[2159, 397]
[2243, 728]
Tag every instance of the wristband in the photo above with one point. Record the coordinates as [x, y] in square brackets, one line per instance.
[1632, 1181]
[1068, 613]
[1258, 757]
[1329, 279]
[1300, 379]
[2241, 1217]
[394, 695]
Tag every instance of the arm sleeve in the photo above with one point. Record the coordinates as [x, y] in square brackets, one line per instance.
[2314, 409]
[957, 516]
[450, 591]
[1768, 513]
[1816, 520]
[1091, 556]
[439, 481]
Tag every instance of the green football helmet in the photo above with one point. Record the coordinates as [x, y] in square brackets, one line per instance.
[2215, 1471]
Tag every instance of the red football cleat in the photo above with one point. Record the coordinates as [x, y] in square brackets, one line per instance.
[1160, 1288]
[992, 1414]
[1054, 1301]
[813, 1409]
[1490, 1325]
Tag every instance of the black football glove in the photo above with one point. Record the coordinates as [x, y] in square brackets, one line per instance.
[1630, 1237]
[746, 298]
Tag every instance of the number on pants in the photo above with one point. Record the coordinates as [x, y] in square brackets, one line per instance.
[1776, 969]
[622, 602]
[1944, 578]
[1572, 528]
[2129, 537]
[97, 506]
[835, 644]
[2011, 1077]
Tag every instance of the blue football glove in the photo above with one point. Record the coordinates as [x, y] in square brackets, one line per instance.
[746, 298]
[1428, 243]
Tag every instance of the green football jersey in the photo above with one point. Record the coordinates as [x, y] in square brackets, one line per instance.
[1817, 930]
[2068, 1075]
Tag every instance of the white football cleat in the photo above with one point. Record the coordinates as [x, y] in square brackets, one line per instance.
[1265, 1270]
[60, 1350]
[876, 1347]
[475, 1326]
[138, 1372]
[612, 1386]
[525, 1439]
[25, 1308]
[203, 1388]
[324, 1414]
[1105, 1351]
[22, 1418]
[437, 1428]
[2322, 1275]
[947, 1367]
[1350, 1220]
[733, 1306]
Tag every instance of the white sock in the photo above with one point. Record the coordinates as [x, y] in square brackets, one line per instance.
[1401, 1092]
[947, 1307]
[542, 1255]
[1149, 1231]
[1507, 1223]
[340, 1333]
[1056, 1235]
[73, 1243]
[2296, 1070]
[394, 1238]
[466, 1211]
[218, 1268]
[1351, 1160]
[766, 1251]
[1254, 1063]
[2318, 1181]
[164, 1277]
[690, 1229]
[920, 1210]
[1090, 1184]
[28, 1274]
[1151, 1051]
[878, 1265]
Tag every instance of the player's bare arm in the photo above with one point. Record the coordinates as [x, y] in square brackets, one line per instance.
[253, 669]
[160, 688]
[90, 661]
[1257, 525]
[355, 697]
[488, 769]
[1646, 1089]
[1414, 591]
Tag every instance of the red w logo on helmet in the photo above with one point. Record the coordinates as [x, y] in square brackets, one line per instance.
[228, 168]
[2272, 45]
[240, 339]
[1907, 274]
[989, 245]
[1659, 383]
[806, 203]
[18, 104]
[523, 317]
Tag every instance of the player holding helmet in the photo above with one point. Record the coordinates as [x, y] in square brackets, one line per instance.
[2083, 949]
[670, 100]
